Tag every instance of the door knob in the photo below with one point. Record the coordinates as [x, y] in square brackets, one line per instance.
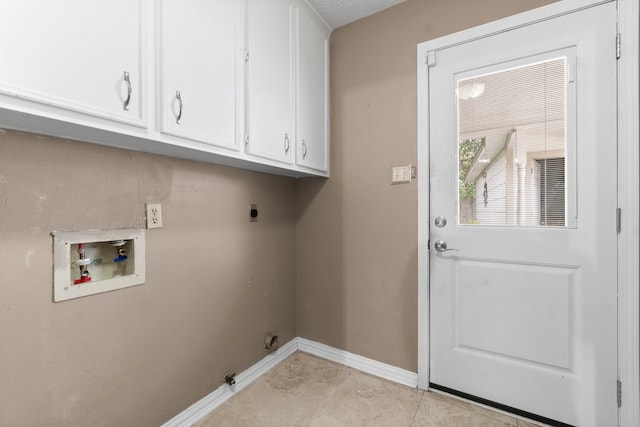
[441, 246]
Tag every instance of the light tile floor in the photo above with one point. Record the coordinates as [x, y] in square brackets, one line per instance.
[305, 390]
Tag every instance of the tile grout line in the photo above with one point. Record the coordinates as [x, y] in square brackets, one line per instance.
[335, 387]
[353, 363]
[515, 417]
[415, 415]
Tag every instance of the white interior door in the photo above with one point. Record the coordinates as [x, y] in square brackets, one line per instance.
[522, 159]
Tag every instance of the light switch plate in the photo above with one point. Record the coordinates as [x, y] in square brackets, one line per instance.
[401, 174]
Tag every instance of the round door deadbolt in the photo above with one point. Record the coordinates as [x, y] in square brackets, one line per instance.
[440, 221]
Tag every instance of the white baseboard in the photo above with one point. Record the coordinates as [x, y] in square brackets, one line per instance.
[199, 410]
[364, 364]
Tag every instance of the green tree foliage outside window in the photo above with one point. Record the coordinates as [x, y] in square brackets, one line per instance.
[467, 151]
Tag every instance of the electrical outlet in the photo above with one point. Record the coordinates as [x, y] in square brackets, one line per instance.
[154, 215]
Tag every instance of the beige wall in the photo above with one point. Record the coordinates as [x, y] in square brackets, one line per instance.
[356, 234]
[138, 356]
[346, 247]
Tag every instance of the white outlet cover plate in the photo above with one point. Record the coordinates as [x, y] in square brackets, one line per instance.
[154, 215]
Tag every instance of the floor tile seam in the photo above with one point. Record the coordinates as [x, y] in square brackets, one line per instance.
[477, 405]
[383, 379]
[328, 400]
[324, 405]
[338, 366]
[415, 415]
[354, 372]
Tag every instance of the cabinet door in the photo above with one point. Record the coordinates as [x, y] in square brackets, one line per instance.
[201, 51]
[74, 54]
[270, 79]
[312, 135]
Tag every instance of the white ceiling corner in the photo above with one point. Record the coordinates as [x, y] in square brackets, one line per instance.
[341, 12]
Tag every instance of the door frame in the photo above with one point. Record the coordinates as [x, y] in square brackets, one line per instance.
[628, 186]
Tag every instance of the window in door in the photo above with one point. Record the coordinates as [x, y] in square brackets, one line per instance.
[512, 144]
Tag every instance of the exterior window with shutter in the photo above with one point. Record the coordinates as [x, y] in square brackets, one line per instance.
[552, 191]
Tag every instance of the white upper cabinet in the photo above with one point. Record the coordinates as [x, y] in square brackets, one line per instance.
[312, 124]
[201, 60]
[242, 83]
[270, 84]
[81, 56]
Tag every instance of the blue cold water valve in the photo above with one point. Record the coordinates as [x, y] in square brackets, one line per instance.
[122, 252]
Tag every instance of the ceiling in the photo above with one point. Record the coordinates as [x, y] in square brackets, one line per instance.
[341, 12]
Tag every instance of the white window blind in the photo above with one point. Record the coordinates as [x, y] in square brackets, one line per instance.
[512, 146]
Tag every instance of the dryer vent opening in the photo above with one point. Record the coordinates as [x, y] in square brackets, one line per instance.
[271, 343]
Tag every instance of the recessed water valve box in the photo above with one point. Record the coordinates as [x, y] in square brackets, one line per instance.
[91, 262]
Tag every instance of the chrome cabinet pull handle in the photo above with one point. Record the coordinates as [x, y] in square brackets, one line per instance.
[286, 143]
[129, 90]
[304, 149]
[179, 98]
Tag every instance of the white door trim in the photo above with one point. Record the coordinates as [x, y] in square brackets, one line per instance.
[629, 201]
[628, 186]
